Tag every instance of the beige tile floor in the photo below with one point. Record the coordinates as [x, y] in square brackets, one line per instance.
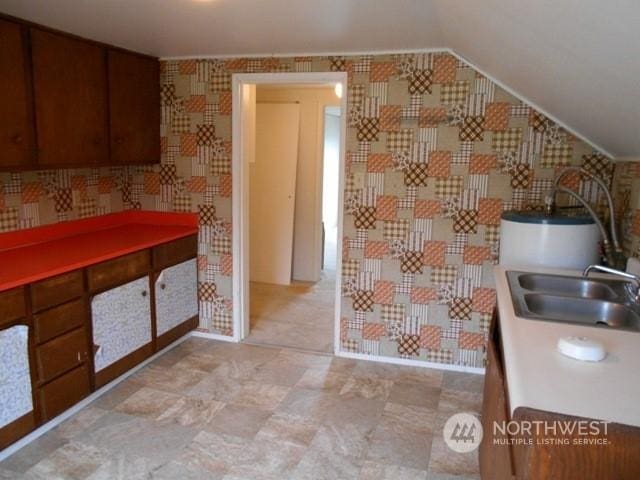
[300, 315]
[213, 410]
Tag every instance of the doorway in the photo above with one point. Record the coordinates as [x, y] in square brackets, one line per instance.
[288, 148]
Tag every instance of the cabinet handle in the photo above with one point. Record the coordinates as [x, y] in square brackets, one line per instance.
[163, 286]
[16, 139]
[144, 293]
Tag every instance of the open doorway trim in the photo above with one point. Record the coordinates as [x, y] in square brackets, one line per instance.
[240, 191]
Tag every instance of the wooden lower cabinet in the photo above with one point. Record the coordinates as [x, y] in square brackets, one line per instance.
[68, 335]
[535, 456]
[495, 454]
[64, 392]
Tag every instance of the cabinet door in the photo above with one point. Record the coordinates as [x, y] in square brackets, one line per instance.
[15, 384]
[121, 319]
[134, 106]
[16, 127]
[70, 85]
[176, 295]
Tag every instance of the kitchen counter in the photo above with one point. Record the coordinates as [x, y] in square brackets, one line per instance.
[539, 377]
[37, 253]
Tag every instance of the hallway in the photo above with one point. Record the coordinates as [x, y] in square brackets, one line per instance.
[300, 315]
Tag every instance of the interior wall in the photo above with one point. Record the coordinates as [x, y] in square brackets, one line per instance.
[626, 190]
[30, 199]
[307, 218]
[330, 188]
[435, 152]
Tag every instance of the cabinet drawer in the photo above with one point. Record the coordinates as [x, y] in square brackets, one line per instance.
[118, 271]
[61, 354]
[175, 252]
[12, 305]
[64, 392]
[58, 320]
[56, 290]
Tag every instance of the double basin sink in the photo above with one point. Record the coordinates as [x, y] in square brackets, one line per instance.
[577, 300]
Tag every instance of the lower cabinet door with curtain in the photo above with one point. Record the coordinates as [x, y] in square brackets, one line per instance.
[121, 319]
[176, 292]
[16, 400]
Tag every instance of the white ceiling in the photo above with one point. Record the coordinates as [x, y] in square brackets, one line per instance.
[578, 60]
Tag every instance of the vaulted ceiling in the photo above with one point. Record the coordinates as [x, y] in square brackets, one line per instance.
[577, 60]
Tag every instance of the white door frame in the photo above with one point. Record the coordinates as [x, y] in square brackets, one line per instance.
[240, 191]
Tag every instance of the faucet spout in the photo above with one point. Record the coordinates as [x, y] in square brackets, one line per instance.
[633, 288]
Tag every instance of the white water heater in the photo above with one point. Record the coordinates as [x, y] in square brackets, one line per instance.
[533, 239]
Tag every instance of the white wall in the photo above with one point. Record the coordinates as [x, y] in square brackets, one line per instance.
[331, 167]
[307, 241]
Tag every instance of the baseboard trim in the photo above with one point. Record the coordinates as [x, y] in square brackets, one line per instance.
[287, 347]
[411, 363]
[54, 422]
[214, 336]
[356, 356]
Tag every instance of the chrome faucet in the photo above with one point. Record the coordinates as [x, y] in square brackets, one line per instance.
[613, 254]
[632, 288]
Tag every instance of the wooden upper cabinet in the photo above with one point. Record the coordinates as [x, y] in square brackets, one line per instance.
[70, 85]
[16, 127]
[70, 102]
[134, 106]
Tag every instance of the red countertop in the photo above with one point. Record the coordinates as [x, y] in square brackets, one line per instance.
[36, 253]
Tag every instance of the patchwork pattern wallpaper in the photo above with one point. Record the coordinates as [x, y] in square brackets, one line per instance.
[30, 199]
[435, 153]
[627, 201]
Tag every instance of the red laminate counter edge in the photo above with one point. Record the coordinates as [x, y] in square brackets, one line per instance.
[34, 254]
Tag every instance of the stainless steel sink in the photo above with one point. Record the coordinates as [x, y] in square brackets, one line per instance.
[558, 298]
[570, 286]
